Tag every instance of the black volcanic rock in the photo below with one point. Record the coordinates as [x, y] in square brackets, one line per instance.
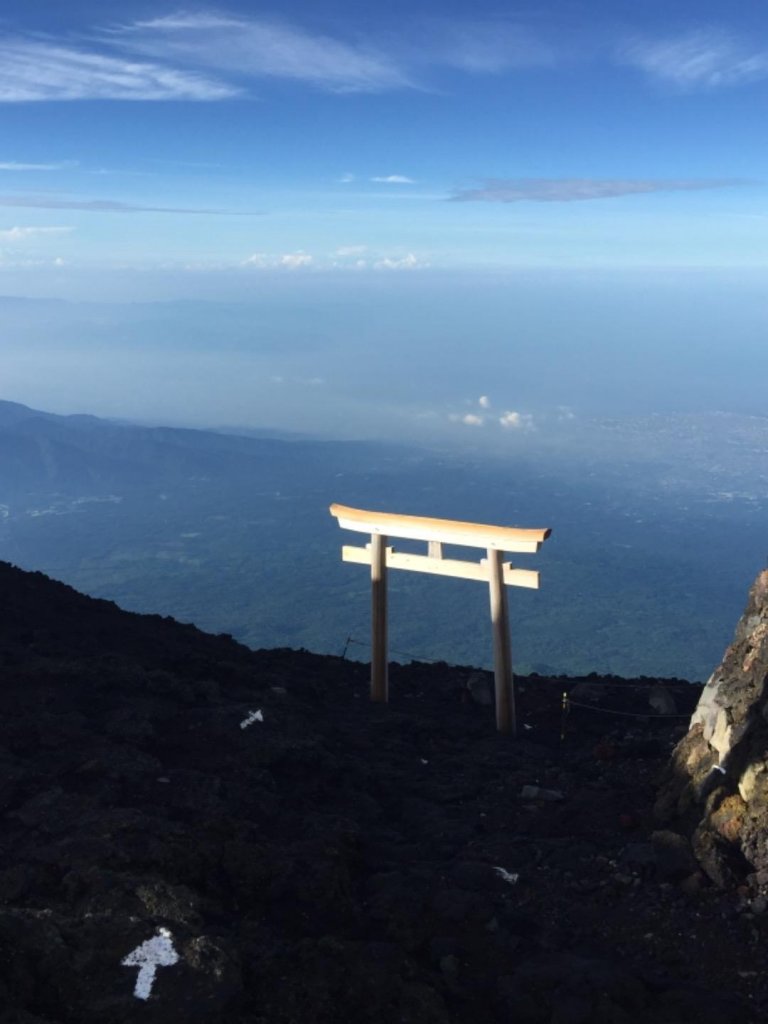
[717, 783]
[241, 836]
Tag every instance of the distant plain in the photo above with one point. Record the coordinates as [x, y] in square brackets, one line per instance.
[658, 529]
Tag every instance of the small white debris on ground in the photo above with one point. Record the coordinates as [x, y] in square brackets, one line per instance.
[508, 876]
[253, 716]
[154, 953]
[539, 793]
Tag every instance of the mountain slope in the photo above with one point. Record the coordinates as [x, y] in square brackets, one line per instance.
[308, 856]
[41, 450]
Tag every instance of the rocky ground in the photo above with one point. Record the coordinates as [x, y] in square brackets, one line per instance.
[196, 832]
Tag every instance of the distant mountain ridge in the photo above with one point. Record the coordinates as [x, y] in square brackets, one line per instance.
[41, 450]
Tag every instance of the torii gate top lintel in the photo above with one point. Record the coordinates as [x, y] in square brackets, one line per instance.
[447, 531]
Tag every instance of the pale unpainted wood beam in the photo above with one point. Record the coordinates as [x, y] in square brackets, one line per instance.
[457, 567]
[502, 651]
[379, 642]
[446, 531]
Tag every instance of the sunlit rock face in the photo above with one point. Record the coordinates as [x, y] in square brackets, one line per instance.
[716, 788]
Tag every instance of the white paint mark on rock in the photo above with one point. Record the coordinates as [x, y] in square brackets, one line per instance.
[508, 876]
[254, 716]
[154, 953]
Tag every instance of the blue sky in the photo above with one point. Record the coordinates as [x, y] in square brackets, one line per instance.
[231, 152]
[323, 136]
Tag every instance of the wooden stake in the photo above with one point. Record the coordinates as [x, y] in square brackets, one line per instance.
[502, 653]
[379, 675]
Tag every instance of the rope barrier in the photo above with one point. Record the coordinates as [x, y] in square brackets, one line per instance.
[567, 704]
[566, 700]
[614, 711]
[406, 654]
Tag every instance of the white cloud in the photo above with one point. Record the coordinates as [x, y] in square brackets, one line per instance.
[706, 59]
[18, 234]
[32, 70]
[394, 179]
[565, 190]
[350, 250]
[263, 47]
[295, 260]
[347, 178]
[409, 262]
[288, 260]
[512, 420]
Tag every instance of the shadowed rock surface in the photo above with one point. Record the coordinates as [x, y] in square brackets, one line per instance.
[717, 784]
[291, 854]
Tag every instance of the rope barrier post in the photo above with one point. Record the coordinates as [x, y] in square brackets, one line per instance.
[502, 651]
[564, 716]
[379, 675]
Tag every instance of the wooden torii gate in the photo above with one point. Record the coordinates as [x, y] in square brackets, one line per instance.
[436, 532]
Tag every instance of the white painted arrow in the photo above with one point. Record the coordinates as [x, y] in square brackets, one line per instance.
[154, 953]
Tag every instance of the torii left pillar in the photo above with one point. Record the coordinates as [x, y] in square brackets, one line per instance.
[379, 645]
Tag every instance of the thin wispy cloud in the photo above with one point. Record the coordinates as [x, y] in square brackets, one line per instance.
[484, 46]
[263, 48]
[567, 190]
[20, 234]
[212, 55]
[701, 59]
[34, 71]
[350, 250]
[104, 206]
[12, 165]
[11, 261]
[393, 179]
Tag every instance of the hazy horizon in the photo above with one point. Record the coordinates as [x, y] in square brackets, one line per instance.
[481, 359]
[422, 221]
